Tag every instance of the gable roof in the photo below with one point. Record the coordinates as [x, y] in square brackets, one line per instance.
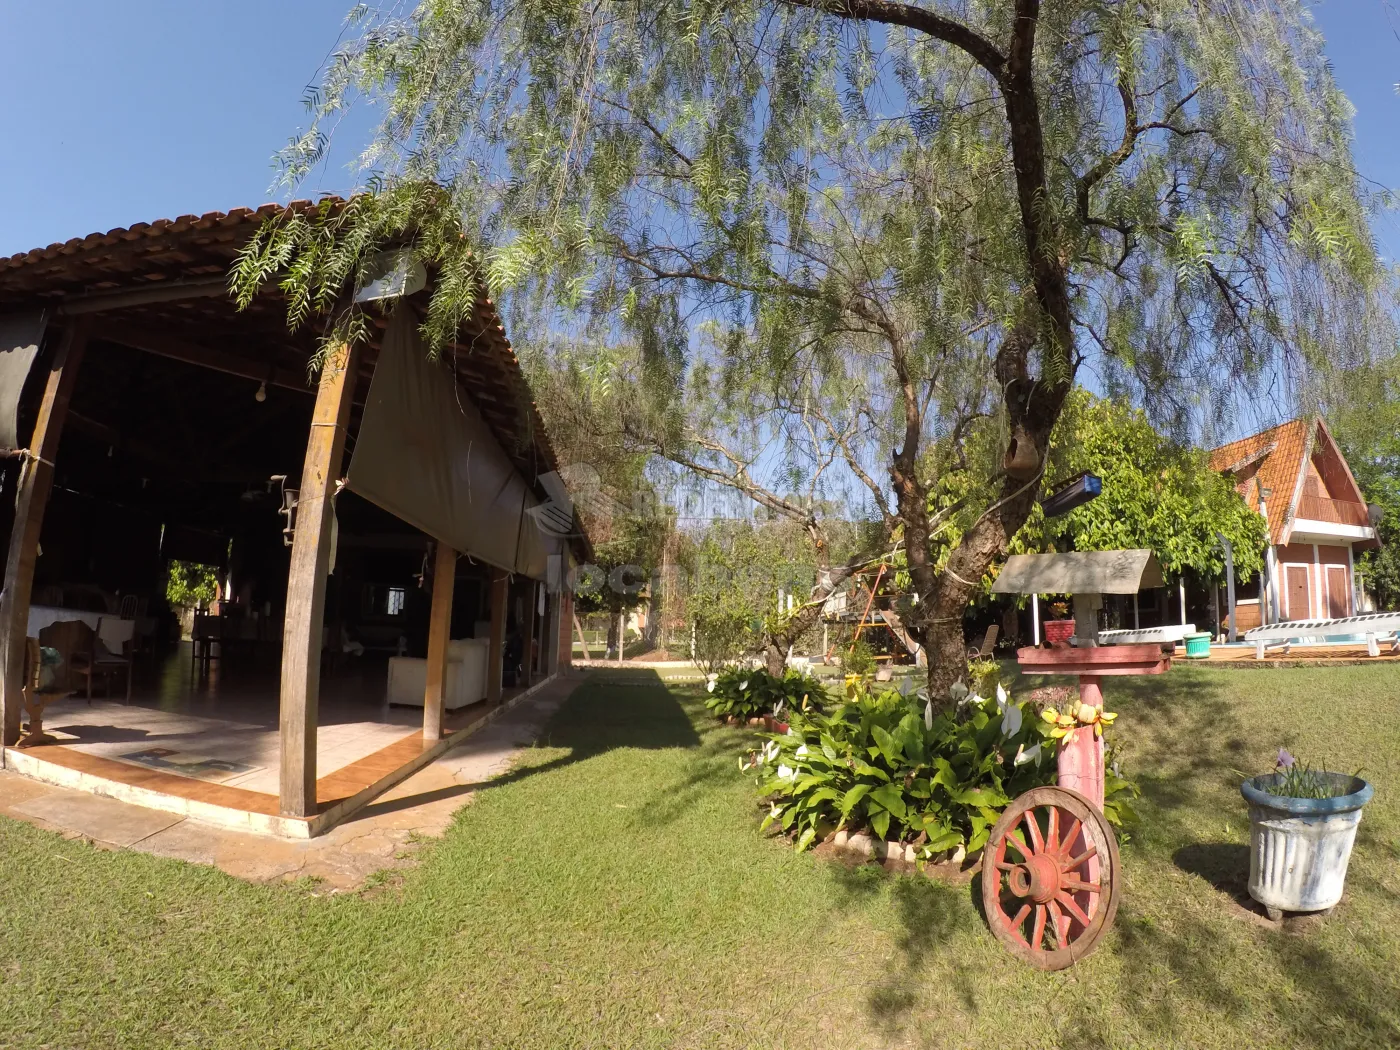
[165, 283]
[1282, 454]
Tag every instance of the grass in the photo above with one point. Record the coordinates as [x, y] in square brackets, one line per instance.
[613, 891]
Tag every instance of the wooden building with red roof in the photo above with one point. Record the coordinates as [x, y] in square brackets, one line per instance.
[1295, 475]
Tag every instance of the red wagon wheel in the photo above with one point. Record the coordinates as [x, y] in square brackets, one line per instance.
[1050, 877]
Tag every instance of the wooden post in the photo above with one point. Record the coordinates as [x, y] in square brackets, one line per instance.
[306, 583]
[31, 500]
[1035, 620]
[495, 652]
[527, 664]
[439, 633]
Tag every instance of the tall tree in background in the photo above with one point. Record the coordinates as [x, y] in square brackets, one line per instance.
[1157, 494]
[1365, 419]
[925, 214]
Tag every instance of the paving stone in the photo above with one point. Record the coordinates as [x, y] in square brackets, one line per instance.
[104, 819]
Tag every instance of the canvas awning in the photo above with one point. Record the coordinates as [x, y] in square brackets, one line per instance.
[425, 454]
[1080, 572]
[20, 335]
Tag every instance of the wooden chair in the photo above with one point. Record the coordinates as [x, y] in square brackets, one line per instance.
[90, 659]
[208, 631]
[988, 646]
[37, 695]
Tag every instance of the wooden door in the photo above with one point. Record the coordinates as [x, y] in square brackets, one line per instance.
[1299, 593]
[1338, 593]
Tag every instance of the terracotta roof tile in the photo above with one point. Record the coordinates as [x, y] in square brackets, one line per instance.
[1284, 451]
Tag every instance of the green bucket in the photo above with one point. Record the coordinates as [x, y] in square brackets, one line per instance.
[1198, 646]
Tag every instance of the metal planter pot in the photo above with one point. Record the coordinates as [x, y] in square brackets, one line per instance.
[1299, 847]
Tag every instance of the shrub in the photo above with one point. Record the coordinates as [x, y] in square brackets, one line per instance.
[745, 692]
[887, 762]
[860, 658]
[720, 635]
[985, 675]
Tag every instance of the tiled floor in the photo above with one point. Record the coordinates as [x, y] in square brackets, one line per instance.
[233, 717]
[113, 730]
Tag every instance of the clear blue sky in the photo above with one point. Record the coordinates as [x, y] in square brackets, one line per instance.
[128, 111]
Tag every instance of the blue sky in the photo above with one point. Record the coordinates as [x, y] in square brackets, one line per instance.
[127, 112]
[124, 112]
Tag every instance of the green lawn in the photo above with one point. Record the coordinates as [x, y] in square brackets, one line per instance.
[614, 892]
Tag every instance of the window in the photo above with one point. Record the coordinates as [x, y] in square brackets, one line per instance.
[393, 601]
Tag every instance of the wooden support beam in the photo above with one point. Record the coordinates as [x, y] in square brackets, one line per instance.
[496, 649]
[31, 500]
[439, 633]
[306, 584]
[163, 345]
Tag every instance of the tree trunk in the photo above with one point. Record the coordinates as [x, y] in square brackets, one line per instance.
[614, 642]
[775, 657]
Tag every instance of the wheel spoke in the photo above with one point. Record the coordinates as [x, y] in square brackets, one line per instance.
[1015, 926]
[1003, 865]
[1079, 886]
[1061, 924]
[1021, 847]
[1075, 911]
[1067, 843]
[1038, 932]
[1052, 833]
[1037, 843]
[1092, 851]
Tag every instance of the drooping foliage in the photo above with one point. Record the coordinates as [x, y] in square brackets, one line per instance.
[867, 221]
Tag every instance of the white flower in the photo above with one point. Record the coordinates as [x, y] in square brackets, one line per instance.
[775, 810]
[928, 715]
[802, 751]
[1026, 755]
[1001, 696]
[743, 685]
[710, 680]
[778, 708]
[786, 772]
[1010, 720]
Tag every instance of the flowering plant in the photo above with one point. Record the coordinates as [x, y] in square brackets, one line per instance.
[1291, 780]
[744, 692]
[891, 763]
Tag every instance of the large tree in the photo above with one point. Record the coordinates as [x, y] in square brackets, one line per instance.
[924, 213]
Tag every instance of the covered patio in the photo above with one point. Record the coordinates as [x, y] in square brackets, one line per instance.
[380, 585]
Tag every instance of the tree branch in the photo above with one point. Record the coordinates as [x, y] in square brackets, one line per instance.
[964, 38]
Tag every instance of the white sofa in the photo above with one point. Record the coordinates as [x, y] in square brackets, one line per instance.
[466, 676]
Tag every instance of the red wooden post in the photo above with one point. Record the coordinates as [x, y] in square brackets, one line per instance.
[1081, 754]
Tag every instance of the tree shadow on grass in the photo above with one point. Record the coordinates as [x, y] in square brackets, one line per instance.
[605, 712]
[929, 915]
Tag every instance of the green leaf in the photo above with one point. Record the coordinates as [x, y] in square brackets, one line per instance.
[890, 798]
[848, 802]
[880, 823]
[805, 839]
[888, 745]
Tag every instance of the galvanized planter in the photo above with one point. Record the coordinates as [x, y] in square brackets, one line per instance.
[1299, 847]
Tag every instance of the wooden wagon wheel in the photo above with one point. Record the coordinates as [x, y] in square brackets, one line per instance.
[1050, 877]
